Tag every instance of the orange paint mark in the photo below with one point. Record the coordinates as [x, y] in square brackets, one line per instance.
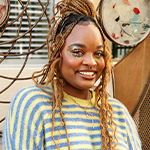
[126, 2]
[114, 5]
[115, 36]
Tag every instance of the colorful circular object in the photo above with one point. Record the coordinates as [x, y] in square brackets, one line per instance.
[125, 22]
[4, 9]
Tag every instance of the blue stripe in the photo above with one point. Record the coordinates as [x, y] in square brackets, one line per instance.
[117, 112]
[76, 106]
[119, 119]
[63, 136]
[8, 122]
[94, 114]
[130, 146]
[124, 144]
[85, 149]
[14, 100]
[56, 128]
[131, 135]
[34, 110]
[30, 90]
[58, 119]
[4, 136]
[79, 113]
[29, 102]
[65, 144]
[121, 127]
[97, 143]
[7, 131]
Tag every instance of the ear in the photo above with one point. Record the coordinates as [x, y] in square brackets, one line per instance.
[53, 47]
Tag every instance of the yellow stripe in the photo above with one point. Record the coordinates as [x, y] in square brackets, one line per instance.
[34, 103]
[20, 117]
[21, 112]
[72, 139]
[36, 116]
[15, 108]
[6, 146]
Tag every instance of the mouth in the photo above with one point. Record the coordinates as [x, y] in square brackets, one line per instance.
[87, 73]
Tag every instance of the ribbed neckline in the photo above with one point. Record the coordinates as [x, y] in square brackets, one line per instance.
[82, 102]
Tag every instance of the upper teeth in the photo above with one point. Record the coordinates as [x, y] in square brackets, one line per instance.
[87, 73]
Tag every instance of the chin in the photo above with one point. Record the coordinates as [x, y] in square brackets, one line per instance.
[87, 86]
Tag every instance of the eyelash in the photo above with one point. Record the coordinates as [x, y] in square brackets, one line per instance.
[100, 54]
[78, 53]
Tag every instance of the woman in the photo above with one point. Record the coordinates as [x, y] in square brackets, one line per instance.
[62, 112]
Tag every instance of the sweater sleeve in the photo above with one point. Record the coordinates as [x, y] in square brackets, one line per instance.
[23, 127]
[134, 142]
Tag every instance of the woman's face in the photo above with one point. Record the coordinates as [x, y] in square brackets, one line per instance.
[82, 58]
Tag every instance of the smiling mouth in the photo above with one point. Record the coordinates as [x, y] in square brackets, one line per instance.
[87, 73]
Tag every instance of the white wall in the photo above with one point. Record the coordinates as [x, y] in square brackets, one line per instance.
[12, 71]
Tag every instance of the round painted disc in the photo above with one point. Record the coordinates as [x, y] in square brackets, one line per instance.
[3, 11]
[126, 22]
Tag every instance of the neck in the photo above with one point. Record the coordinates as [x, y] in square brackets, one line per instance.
[82, 94]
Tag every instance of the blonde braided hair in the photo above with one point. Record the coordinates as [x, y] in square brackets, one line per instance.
[58, 32]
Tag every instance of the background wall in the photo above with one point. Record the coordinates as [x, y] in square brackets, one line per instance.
[9, 93]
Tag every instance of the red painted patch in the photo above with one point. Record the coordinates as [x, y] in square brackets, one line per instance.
[136, 10]
[114, 36]
[2, 10]
[121, 33]
[126, 42]
[114, 5]
[126, 2]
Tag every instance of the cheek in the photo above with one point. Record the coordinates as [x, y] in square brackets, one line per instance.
[101, 65]
[67, 63]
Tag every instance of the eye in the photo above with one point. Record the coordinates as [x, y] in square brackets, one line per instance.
[99, 54]
[77, 52]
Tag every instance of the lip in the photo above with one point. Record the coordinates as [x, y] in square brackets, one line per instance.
[87, 74]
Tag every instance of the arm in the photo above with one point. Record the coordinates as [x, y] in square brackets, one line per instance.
[134, 142]
[23, 127]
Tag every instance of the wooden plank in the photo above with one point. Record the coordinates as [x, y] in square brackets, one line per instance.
[131, 74]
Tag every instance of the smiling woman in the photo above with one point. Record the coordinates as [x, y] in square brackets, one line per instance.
[62, 112]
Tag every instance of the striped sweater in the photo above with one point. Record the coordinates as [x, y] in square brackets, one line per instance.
[28, 124]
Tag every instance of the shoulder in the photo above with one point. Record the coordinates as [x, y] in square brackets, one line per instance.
[120, 111]
[32, 93]
[29, 98]
[121, 114]
[117, 105]
[27, 115]
[122, 118]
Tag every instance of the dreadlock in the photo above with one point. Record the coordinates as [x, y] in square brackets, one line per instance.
[66, 14]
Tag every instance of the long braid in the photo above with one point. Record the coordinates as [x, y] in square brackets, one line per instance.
[58, 32]
[106, 109]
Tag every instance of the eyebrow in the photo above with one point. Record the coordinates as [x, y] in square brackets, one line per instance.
[83, 46]
[78, 44]
[100, 46]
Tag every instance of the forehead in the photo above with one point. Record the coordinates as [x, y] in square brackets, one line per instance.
[85, 34]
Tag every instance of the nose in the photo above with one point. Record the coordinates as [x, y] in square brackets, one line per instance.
[89, 60]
